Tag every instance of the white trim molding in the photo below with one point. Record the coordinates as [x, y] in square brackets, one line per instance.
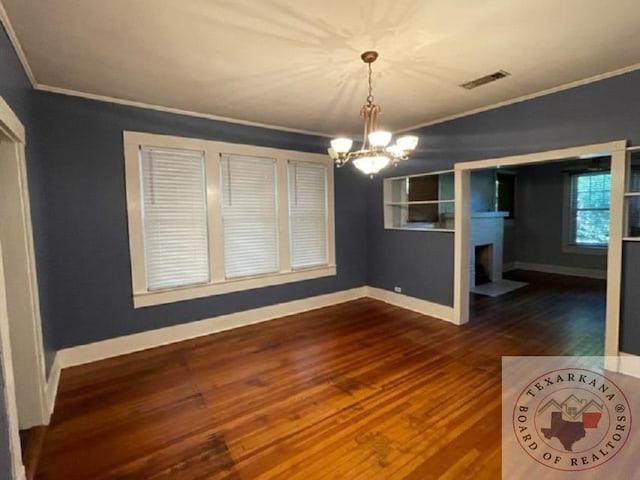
[424, 307]
[70, 357]
[10, 123]
[176, 111]
[218, 283]
[629, 364]
[13, 38]
[92, 352]
[618, 151]
[52, 385]
[20, 323]
[7, 389]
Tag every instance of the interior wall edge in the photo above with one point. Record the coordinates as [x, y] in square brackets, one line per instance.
[425, 307]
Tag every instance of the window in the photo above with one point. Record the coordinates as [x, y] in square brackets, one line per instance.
[588, 215]
[419, 202]
[207, 218]
[308, 214]
[174, 217]
[249, 216]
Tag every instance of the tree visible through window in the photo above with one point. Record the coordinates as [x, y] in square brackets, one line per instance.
[590, 208]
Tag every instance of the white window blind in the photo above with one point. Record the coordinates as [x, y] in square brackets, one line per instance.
[174, 217]
[308, 214]
[590, 208]
[249, 215]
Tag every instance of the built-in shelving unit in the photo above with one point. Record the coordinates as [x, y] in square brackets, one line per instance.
[420, 202]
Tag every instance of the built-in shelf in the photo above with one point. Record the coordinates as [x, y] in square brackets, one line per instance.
[423, 202]
[632, 199]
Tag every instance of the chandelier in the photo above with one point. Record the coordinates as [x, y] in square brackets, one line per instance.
[376, 153]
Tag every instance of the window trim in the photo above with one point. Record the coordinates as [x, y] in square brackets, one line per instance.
[218, 284]
[567, 245]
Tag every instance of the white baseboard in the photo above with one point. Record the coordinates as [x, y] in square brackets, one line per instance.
[443, 312]
[629, 364]
[114, 347]
[52, 386]
[560, 270]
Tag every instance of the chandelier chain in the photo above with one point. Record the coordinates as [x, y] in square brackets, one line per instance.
[370, 96]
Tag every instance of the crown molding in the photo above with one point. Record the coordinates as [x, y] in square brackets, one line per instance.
[177, 111]
[13, 38]
[4, 19]
[531, 96]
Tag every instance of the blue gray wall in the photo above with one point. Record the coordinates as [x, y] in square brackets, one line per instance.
[87, 269]
[539, 224]
[593, 113]
[630, 321]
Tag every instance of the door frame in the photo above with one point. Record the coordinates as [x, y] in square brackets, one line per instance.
[6, 363]
[618, 151]
[27, 362]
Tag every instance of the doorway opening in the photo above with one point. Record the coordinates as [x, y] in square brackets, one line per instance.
[615, 152]
[21, 352]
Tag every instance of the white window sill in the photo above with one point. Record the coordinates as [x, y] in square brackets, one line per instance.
[584, 250]
[146, 299]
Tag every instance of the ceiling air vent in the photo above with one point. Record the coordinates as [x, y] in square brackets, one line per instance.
[492, 77]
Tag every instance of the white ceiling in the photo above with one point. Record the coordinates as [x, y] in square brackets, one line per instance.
[296, 63]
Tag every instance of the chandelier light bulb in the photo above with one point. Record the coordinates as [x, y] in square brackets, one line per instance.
[371, 165]
[379, 139]
[341, 145]
[408, 142]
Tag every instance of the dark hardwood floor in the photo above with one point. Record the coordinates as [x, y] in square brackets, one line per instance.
[361, 390]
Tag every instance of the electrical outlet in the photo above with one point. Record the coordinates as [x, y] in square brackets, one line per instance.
[397, 289]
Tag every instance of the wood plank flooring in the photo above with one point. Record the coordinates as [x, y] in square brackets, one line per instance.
[361, 390]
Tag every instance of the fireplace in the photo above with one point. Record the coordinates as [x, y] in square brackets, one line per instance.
[483, 264]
